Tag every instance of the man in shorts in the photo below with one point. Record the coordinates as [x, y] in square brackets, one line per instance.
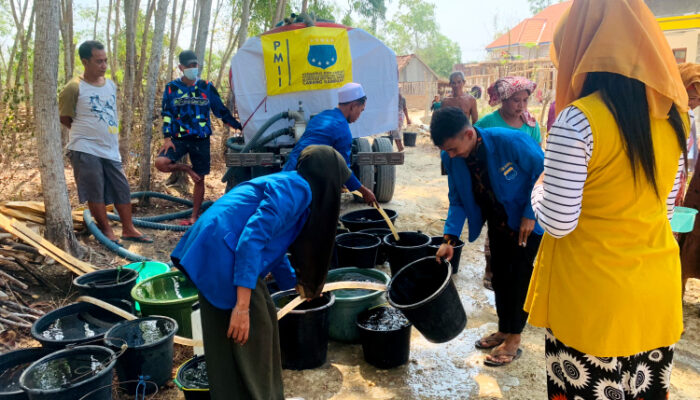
[88, 108]
[398, 133]
[187, 102]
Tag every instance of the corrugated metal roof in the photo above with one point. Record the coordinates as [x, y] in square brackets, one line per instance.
[538, 29]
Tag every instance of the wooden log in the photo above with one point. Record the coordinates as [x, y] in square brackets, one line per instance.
[36, 274]
[20, 308]
[3, 295]
[9, 277]
[15, 324]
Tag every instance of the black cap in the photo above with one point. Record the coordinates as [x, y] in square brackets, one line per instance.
[187, 57]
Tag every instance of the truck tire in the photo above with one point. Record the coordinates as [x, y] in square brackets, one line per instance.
[385, 176]
[365, 173]
[240, 174]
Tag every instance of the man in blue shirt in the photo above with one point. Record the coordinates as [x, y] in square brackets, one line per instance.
[332, 128]
[490, 174]
[187, 126]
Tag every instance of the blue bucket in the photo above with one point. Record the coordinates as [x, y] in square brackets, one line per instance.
[683, 219]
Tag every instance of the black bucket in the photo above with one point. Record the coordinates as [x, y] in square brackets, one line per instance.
[357, 249]
[75, 323]
[380, 233]
[367, 218]
[385, 334]
[87, 369]
[192, 379]
[410, 247]
[108, 283]
[435, 243]
[425, 293]
[149, 351]
[409, 138]
[12, 364]
[304, 331]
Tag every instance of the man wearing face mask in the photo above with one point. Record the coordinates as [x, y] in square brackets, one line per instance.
[187, 102]
[332, 128]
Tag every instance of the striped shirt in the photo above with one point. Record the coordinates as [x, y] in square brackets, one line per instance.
[568, 151]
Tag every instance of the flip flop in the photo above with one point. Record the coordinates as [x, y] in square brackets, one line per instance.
[492, 363]
[138, 239]
[490, 339]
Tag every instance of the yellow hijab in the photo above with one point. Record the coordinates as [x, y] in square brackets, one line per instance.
[617, 36]
[690, 74]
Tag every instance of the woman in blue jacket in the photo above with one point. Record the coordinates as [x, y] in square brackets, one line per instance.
[244, 236]
[490, 173]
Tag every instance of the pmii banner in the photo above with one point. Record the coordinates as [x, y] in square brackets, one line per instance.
[312, 58]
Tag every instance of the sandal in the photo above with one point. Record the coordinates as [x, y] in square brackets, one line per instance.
[494, 363]
[138, 239]
[488, 339]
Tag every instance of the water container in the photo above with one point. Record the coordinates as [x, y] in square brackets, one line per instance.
[197, 328]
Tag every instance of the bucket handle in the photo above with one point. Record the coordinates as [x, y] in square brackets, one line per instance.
[327, 288]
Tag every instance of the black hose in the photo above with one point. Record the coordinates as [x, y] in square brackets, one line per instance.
[97, 233]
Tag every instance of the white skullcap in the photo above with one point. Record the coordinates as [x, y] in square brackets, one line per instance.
[350, 92]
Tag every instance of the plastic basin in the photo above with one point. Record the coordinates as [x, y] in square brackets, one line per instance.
[367, 218]
[71, 374]
[170, 294]
[191, 378]
[385, 334]
[304, 331]
[12, 364]
[349, 303]
[75, 323]
[357, 249]
[107, 283]
[149, 350]
[436, 242]
[423, 290]
[147, 269]
[683, 219]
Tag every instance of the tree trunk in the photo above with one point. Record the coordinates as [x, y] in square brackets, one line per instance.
[211, 38]
[149, 100]
[279, 11]
[59, 222]
[97, 16]
[22, 67]
[177, 37]
[173, 40]
[195, 11]
[18, 17]
[127, 112]
[200, 45]
[245, 21]
[304, 6]
[114, 60]
[144, 46]
[67, 34]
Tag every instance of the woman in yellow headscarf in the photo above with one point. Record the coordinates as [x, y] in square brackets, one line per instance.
[606, 283]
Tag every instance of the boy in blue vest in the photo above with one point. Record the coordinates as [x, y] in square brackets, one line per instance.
[491, 173]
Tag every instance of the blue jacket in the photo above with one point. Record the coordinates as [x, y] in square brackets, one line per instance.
[515, 162]
[328, 128]
[244, 236]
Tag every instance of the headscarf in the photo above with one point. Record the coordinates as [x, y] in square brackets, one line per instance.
[690, 74]
[326, 172]
[621, 37]
[504, 88]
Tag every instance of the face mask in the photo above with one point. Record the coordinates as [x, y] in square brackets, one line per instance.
[191, 73]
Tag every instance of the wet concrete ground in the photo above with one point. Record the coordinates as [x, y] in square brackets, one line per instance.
[455, 370]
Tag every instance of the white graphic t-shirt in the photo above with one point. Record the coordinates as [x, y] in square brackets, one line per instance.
[95, 127]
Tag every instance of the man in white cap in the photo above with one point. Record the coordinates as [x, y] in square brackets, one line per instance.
[332, 128]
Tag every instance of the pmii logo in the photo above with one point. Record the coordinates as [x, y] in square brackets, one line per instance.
[322, 53]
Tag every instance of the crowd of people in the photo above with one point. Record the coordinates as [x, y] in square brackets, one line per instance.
[578, 233]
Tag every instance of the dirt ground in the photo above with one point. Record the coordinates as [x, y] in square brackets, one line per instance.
[452, 370]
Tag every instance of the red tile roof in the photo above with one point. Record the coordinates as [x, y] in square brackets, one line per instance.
[538, 29]
[402, 61]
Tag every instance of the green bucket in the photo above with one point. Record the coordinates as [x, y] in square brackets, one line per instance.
[350, 302]
[683, 219]
[170, 294]
[147, 269]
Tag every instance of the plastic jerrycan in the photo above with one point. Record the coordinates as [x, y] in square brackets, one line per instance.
[197, 328]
